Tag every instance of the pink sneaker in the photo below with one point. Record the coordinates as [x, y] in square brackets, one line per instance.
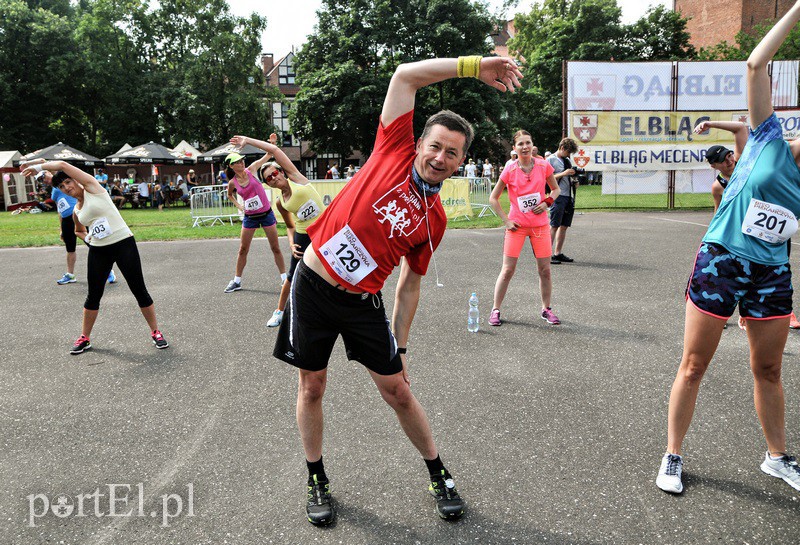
[494, 318]
[549, 315]
[793, 323]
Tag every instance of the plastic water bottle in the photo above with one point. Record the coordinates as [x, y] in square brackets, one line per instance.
[474, 316]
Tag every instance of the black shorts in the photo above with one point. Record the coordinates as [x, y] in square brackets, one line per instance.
[562, 211]
[317, 313]
[68, 233]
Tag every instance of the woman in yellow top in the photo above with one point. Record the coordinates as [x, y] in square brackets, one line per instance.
[299, 204]
[110, 241]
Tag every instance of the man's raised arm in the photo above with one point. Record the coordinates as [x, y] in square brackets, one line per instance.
[501, 73]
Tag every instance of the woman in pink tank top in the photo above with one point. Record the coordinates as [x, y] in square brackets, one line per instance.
[257, 213]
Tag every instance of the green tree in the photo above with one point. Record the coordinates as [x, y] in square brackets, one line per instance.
[37, 55]
[345, 67]
[561, 30]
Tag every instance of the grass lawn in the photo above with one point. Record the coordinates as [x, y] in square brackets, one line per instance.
[25, 230]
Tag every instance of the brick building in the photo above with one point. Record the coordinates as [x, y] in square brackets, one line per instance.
[281, 74]
[712, 21]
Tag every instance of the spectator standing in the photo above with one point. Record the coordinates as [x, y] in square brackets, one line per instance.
[191, 180]
[470, 170]
[102, 177]
[563, 210]
[488, 169]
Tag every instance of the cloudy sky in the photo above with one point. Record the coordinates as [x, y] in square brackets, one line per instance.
[289, 22]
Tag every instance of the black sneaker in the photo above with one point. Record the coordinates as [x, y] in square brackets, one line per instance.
[159, 340]
[554, 260]
[563, 259]
[81, 345]
[449, 504]
[319, 508]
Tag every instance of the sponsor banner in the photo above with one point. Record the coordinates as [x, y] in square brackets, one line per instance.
[455, 197]
[656, 182]
[660, 127]
[642, 157]
[719, 85]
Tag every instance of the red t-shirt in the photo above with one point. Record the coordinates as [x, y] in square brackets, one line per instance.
[379, 216]
[525, 191]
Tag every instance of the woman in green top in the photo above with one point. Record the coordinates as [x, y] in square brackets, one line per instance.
[299, 204]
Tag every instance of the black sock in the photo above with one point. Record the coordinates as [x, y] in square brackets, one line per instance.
[318, 469]
[435, 466]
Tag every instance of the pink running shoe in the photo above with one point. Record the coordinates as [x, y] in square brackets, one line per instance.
[549, 315]
[793, 323]
[159, 340]
[81, 345]
[494, 318]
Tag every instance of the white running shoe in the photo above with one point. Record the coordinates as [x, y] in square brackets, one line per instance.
[277, 318]
[785, 468]
[669, 475]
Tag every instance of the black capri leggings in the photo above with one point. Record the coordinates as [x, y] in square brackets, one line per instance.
[303, 240]
[68, 233]
[101, 258]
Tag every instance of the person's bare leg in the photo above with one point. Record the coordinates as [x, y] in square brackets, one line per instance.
[285, 289]
[701, 336]
[275, 247]
[545, 280]
[244, 248]
[89, 318]
[72, 257]
[503, 279]
[767, 341]
[397, 393]
[311, 389]
[560, 235]
[149, 314]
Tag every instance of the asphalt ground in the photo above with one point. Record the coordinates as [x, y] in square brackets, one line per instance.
[554, 434]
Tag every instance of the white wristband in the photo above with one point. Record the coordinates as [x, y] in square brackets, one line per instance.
[37, 168]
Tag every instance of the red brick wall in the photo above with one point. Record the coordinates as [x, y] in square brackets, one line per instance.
[712, 21]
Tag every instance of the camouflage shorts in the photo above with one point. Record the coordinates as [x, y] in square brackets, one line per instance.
[721, 280]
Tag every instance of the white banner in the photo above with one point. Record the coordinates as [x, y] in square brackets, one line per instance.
[718, 85]
[642, 157]
[655, 182]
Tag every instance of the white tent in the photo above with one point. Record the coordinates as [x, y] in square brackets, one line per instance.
[187, 149]
[125, 147]
[15, 186]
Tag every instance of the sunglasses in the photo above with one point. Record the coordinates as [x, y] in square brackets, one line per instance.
[272, 175]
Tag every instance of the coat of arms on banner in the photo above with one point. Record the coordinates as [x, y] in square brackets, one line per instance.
[594, 92]
[584, 126]
[581, 159]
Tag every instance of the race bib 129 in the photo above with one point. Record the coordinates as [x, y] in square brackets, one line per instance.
[346, 255]
[769, 222]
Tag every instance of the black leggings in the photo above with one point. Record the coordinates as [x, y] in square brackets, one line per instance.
[101, 258]
[303, 240]
[68, 233]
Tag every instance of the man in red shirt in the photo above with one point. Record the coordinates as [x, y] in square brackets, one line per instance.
[390, 210]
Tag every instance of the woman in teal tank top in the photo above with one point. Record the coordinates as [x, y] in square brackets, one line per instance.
[743, 262]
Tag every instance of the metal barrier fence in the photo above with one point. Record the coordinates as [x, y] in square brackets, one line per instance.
[210, 203]
[479, 191]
